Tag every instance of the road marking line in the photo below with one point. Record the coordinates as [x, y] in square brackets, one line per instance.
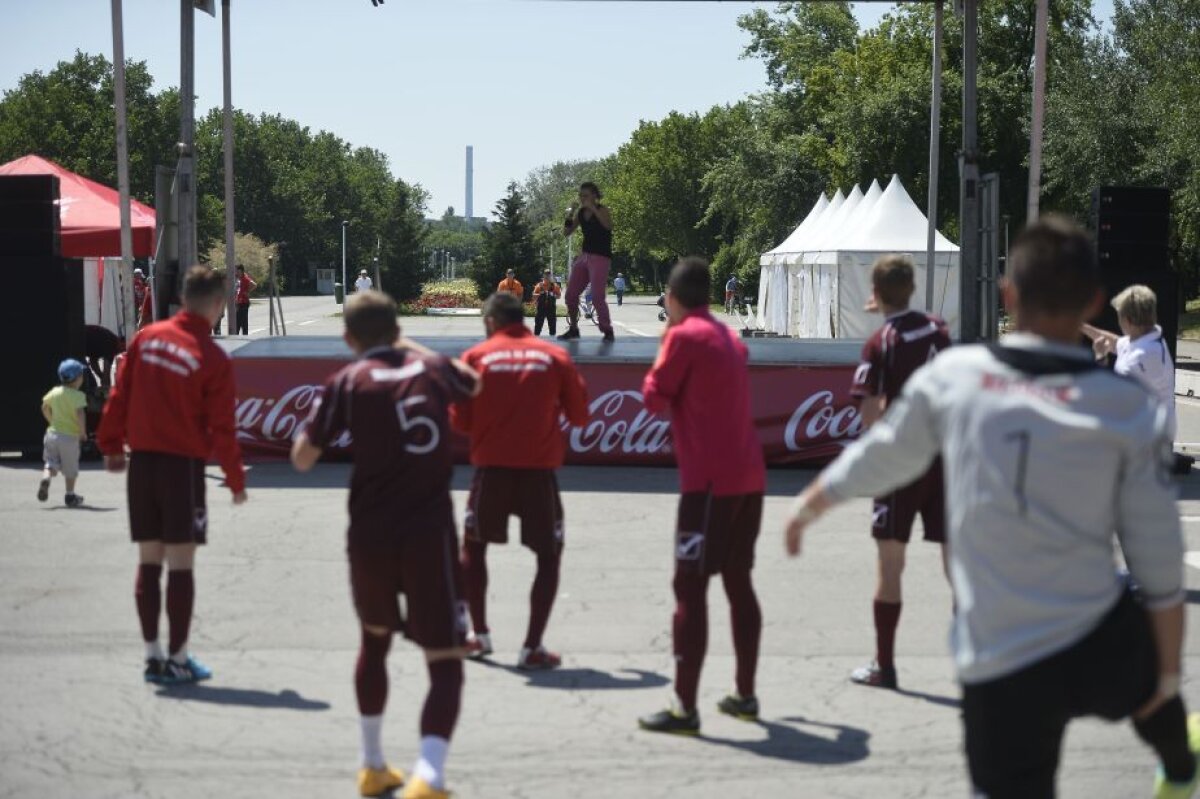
[309, 322]
[1189, 518]
[1192, 559]
[632, 330]
[256, 330]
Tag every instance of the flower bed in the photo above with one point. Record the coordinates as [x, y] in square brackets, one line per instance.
[443, 294]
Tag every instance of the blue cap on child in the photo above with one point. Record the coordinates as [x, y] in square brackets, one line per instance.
[70, 369]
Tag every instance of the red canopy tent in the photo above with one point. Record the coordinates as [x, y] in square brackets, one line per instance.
[90, 213]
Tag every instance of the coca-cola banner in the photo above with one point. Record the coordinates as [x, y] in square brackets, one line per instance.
[802, 414]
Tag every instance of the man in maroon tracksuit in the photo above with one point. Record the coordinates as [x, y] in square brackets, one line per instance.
[907, 341]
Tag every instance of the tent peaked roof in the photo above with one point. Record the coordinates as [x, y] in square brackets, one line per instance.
[894, 224]
[827, 236]
[89, 212]
[796, 237]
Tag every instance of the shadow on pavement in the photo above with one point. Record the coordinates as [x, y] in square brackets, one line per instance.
[785, 741]
[933, 699]
[243, 697]
[585, 679]
[92, 508]
[1193, 596]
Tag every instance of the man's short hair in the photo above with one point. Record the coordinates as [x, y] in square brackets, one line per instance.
[202, 284]
[690, 282]
[370, 318]
[892, 279]
[1052, 266]
[504, 309]
[241, 268]
[1137, 305]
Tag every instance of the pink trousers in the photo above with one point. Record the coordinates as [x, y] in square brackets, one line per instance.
[593, 269]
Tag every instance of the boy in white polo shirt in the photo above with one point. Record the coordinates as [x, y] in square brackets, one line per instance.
[1142, 352]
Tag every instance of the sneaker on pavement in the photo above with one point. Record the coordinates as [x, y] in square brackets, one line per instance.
[875, 676]
[73, 500]
[1181, 790]
[540, 659]
[479, 646]
[740, 707]
[189, 671]
[44, 489]
[418, 788]
[155, 667]
[672, 721]
[378, 781]
[572, 332]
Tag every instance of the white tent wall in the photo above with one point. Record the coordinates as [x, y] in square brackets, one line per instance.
[101, 292]
[854, 290]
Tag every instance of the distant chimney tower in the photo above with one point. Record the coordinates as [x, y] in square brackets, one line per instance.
[470, 181]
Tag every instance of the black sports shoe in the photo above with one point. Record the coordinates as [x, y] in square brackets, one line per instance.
[73, 500]
[744, 708]
[572, 332]
[671, 722]
[155, 668]
[609, 336]
[44, 489]
[875, 676]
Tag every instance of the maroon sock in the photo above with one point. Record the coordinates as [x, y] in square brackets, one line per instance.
[181, 596]
[541, 598]
[690, 634]
[440, 713]
[887, 617]
[746, 620]
[475, 575]
[370, 674]
[147, 593]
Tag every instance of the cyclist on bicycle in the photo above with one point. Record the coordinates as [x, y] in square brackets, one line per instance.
[731, 291]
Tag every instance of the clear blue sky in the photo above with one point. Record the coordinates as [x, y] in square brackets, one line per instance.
[525, 82]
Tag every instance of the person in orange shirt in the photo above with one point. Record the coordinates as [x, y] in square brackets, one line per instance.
[516, 446]
[545, 296]
[511, 285]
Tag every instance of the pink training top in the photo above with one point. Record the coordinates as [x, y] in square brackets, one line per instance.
[702, 376]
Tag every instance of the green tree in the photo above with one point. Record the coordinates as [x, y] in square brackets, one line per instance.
[507, 244]
[404, 268]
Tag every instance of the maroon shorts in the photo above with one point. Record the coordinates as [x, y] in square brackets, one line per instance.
[529, 494]
[166, 498]
[716, 534]
[892, 516]
[425, 570]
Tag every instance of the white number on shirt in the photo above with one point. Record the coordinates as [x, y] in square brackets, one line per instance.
[410, 423]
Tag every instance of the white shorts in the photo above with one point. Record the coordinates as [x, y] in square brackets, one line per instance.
[61, 453]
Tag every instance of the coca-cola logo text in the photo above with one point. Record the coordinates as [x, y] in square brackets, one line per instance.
[817, 418]
[611, 430]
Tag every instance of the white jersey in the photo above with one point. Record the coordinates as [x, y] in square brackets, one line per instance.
[1046, 457]
[362, 284]
[1147, 359]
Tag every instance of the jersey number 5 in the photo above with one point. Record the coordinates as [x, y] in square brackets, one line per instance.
[410, 424]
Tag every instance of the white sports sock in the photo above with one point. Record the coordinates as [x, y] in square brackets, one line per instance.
[181, 657]
[372, 741]
[431, 765]
[154, 650]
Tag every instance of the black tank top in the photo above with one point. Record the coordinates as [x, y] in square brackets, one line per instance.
[597, 239]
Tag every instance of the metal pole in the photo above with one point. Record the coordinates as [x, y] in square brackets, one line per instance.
[275, 298]
[969, 179]
[125, 274]
[378, 281]
[187, 136]
[935, 142]
[230, 256]
[1039, 112]
[345, 288]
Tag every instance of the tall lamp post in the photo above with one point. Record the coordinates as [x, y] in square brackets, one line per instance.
[345, 224]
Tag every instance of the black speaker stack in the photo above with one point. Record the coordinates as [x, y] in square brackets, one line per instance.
[41, 314]
[1133, 228]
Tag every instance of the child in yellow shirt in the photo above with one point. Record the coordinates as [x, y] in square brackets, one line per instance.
[63, 408]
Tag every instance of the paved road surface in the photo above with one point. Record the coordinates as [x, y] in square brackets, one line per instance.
[275, 622]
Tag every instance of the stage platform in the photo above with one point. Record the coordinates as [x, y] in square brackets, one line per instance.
[591, 350]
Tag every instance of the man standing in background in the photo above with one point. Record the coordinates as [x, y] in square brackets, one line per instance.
[511, 285]
[242, 300]
[545, 297]
[619, 288]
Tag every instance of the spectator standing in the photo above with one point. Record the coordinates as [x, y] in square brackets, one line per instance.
[619, 288]
[242, 300]
[545, 297]
[364, 282]
[511, 285]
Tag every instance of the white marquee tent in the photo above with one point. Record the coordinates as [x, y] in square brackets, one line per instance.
[817, 282]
